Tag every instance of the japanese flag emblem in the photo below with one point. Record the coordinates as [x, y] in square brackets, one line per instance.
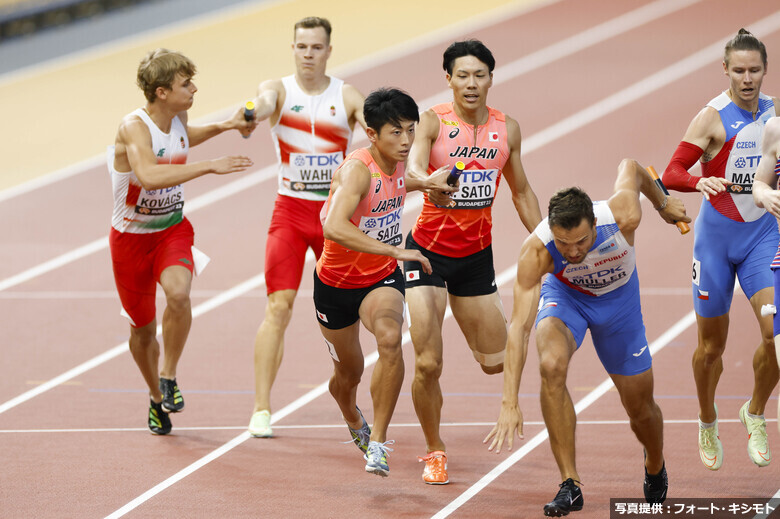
[493, 136]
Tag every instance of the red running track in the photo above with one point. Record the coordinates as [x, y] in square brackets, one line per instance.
[585, 98]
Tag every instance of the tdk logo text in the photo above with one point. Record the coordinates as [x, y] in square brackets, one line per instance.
[747, 162]
[317, 160]
[478, 175]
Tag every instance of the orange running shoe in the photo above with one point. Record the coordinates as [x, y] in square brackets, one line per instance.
[435, 472]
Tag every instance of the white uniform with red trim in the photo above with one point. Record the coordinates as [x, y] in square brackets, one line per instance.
[311, 139]
[137, 210]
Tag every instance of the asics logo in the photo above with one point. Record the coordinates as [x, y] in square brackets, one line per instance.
[737, 124]
[389, 281]
[640, 351]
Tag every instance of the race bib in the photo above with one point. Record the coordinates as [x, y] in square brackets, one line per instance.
[312, 171]
[477, 189]
[385, 228]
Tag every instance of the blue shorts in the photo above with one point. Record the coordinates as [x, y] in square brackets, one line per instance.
[614, 320]
[723, 248]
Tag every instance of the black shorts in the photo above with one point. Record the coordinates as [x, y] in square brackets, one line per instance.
[471, 275]
[337, 308]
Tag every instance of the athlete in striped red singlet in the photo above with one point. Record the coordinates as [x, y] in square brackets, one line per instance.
[766, 195]
[151, 241]
[733, 238]
[311, 116]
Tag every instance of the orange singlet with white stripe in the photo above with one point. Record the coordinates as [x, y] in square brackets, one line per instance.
[465, 227]
[378, 215]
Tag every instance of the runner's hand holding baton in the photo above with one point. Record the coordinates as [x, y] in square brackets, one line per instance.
[682, 226]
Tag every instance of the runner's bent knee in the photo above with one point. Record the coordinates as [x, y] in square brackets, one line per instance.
[428, 365]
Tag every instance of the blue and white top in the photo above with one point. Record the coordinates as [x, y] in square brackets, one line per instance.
[609, 264]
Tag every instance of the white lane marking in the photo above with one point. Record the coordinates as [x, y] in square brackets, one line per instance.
[545, 56]
[539, 438]
[119, 349]
[340, 426]
[360, 65]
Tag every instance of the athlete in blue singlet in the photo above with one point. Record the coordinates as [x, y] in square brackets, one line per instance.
[589, 251]
[733, 238]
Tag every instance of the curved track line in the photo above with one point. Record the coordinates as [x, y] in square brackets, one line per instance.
[512, 70]
[371, 61]
[556, 131]
[625, 96]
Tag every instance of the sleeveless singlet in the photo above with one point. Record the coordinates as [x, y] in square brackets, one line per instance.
[311, 139]
[137, 210]
[465, 228]
[609, 264]
[738, 159]
[378, 215]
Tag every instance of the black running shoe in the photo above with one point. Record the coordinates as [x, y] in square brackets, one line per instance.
[656, 486]
[159, 422]
[172, 401]
[568, 499]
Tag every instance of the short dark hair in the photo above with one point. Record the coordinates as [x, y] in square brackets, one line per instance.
[468, 48]
[568, 207]
[744, 40]
[389, 105]
[312, 22]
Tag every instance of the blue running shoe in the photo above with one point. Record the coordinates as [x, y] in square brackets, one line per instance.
[362, 436]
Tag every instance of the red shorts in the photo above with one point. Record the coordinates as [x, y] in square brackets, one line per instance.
[295, 226]
[139, 260]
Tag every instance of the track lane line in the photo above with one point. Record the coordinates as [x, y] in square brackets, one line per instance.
[409, 47]
[502, 74]
[554, 132]
[679, 69]
[669, 335]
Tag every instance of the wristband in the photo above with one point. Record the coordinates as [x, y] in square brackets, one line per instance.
[663, 204]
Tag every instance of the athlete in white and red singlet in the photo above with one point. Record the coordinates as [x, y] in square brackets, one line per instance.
[454, 233]
[733, 237]
[312, 116]
[150, 240]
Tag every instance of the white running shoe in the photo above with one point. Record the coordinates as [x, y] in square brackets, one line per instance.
[260, 425]
[376, 458]
[710, 447]
[758, 445]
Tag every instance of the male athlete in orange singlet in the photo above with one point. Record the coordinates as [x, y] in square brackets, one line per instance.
[455, 233]
[357, 278]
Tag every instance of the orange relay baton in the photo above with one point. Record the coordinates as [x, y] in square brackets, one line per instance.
[680, 225]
